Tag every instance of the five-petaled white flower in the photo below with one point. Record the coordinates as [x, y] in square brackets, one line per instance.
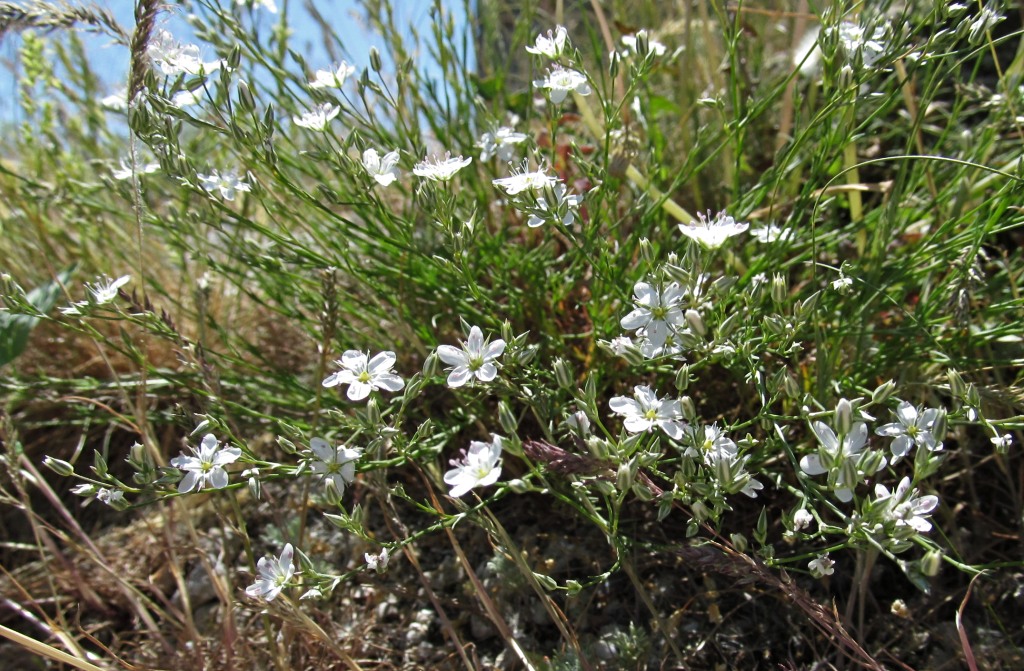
[710, 443]
[552, 45]
[802, 519]
[363, 375]
[332, 79]
[913, 428]
[523, 180]
[105, 289]
[318, 117]
[500, 143]
[336, 466]
[647, 412]
[228, 183]
[712, 233]
[821, 566]
[274, 575]
[206, 467]
[479, 467]
[476, 358]
[905, 507]
[174, 58]
[440, 169]
[381, 168]
[855, 39]
[771, 233]
[657, 313]
[562, 81]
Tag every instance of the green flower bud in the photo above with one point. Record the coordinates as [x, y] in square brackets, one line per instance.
[844, 417]
[563, 374]
[883, 392]
[780, 290]
[507, 420]
[931, 563]
[58, 466]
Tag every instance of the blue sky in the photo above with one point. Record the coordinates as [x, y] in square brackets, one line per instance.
[111, 61]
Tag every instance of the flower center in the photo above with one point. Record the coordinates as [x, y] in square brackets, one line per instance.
[364, 376]
[659, 312]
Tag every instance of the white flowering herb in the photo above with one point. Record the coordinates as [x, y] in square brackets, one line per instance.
[105, 289]
[560, 82]
[712, 233]
[440, 169]
[501, 143]
[645, 412]
[841, 460]
[905, 508]
[821, 566]
[551, 45]
[377, 562]
[336, 466]
[480, 466]
[274, 575]
[205, 467]
[553, 204]
[382, 169]
[317, 118]
[474, 360]
[912, 427]
[333, 78]
[174, 58]
[658, 311]
[525, 180]
[228, 183]
[363, 375]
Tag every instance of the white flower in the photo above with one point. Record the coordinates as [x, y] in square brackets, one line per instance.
[842, 285]
[563, 208]
[378, 562]
[274, 575]
[647, 412]
[174, 58]
[523, 180]
[579, 423]
[620, 345]
[712, 233]
[382, 169]
[670, 348]
[802, 519]
[500, 143]
[318, 117]
[1002, 442]
[658, 311]
[911, 429]
[440, 170]
[332, 79]
[855, 39]
[822, 566]
[112, 497]
[711, 444]
[118, 100]
[551, 46]
[336, 466]
[561, 81]
[125, 170]
[905, 507]
[105, 289]
[228, 183]
[474, 359]
[206, 467]
[771, 233]
[841, 457]
[479, 467]
[363, 375]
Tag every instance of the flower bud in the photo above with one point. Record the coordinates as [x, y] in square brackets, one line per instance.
[695, 322]
[779, 288]
[518, 486]
[739, 541]
[791, 386]
[137, 454]
[956, 384]
[683, 377]
[507, 420]
[624, 476]
[844, 417]
[563, 374]
[689, 410]
[931, 563]
[883, 392]
[59, 466]
[700, 511]
[430, 365]
[375, 62]
[372, 413]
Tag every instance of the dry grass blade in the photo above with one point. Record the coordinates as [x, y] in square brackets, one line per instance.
[47, 651]
[961, 632]
[54, 16]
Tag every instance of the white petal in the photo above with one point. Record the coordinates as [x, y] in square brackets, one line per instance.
[390, 381]
[826, 436]
[636, 319]
[475, 342]
[322, 449]
[189, 482]
[811, 465]
[495, 349]
[357, 390]
[486, 372]
[381, 363]
[459, 376]
[218, 478]
[906, 413]
[451, 355]
[623, 405]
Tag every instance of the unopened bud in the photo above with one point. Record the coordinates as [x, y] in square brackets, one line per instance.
[689, 410]
[624, 477]
[683, 377]
[779, 288]
[507, 420]
[235, 57]
[563, 374]
[695, 322]
[372, 413]
[931, 563]
[375, 62]
[646, 250]
[844, 416]
[957, 387]
[59, 466]
[430, 365]
[739, 541]
[883, 392]
[245, 100]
